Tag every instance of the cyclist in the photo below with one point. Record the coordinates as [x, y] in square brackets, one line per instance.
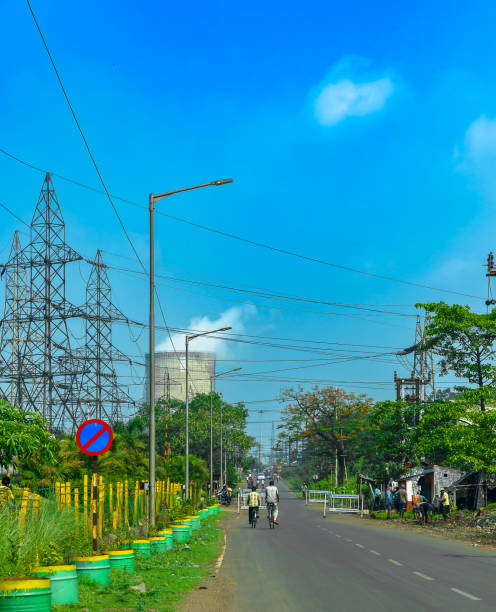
[272, 497]
[254, 503]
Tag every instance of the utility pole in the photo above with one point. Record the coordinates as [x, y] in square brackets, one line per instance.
[152, 198]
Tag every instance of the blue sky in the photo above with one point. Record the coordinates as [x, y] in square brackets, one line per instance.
[358, 134]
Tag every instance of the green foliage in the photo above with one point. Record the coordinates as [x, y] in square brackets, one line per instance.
[24, 434]
[49, 537]
[168, 577]
[464, 340]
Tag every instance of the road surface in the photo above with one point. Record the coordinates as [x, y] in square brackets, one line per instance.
[312, 563]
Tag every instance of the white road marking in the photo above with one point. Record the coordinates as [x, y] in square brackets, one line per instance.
[218, 565]
[395, 562]
[360, 545]
[374, 552]
[348, 540]
[422, 576]
[338, 536]
[472, 597]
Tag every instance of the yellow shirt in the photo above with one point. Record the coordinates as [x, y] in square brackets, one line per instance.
[5, 495]
[254, 500]
[445, 499]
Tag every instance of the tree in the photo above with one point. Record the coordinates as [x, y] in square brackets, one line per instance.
[327, 422]
[23, 435]
[464, 340]
[458, 433]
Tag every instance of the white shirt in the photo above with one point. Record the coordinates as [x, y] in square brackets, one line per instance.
[271, 494]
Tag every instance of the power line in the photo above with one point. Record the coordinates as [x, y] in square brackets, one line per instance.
[94, 162]
[252, 242]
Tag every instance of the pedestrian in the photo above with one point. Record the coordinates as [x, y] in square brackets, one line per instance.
[304, 490]
[377, 498]
[426, 509]
[6, 496]
[402, 499]
[416, 501]
[389, 501]
[445, 504]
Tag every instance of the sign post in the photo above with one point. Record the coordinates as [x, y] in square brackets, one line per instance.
[94, 437]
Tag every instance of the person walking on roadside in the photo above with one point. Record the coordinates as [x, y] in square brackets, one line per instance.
[402, 498]
[389, 501]
[272, 497]
[377, 498]
[445, 504]
[254, 503]
[304, 489]
[6, 496]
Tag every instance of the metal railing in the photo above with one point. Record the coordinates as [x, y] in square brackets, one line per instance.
[315, 496]
[345, 502]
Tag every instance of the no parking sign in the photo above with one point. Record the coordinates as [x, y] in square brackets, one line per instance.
[94, 437]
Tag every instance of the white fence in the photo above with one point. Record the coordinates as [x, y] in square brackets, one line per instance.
[314, 496]
[345, 503]
[335, 502]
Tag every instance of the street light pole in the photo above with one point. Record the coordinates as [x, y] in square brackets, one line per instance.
[212, 378]
[151, 377]
[186, 457]
[152, 198]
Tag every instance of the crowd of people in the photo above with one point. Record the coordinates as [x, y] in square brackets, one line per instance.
[396, 498]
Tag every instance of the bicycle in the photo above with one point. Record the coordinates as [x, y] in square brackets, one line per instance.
[270, 514]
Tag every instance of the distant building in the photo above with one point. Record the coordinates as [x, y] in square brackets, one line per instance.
[201, 368]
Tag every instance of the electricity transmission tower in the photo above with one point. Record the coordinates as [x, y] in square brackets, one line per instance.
[14, 332]
[99, 393]
[46, 369]
[414, 388]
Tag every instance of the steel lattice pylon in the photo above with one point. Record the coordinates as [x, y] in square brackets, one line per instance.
[14, 330]
[99, 394]
[48, 368]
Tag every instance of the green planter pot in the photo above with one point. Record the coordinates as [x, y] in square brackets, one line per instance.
[203, 514]
[63, 582]
[121, 559]
[186, 520]
[211, 510]
[142, 548]
[169, 538]
[180, 533]
[195, 522]
[95, 568]
[25, 595]
[158, 544]
[216, 508]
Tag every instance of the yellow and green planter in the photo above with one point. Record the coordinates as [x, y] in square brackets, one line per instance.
[158, 544]
[181, 533]
[121, 559]
[63, 582]
[142, 548]
[25, 594]
[96, 568]
[169, 538]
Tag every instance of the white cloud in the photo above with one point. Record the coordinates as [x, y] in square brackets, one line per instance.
[352, 88]
[480, 138]
[345, 98]
[233, 317]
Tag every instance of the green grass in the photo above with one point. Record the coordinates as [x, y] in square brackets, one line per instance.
[167, 576]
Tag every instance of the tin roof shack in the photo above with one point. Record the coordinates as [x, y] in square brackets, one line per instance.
[429, 479]
[474, 490]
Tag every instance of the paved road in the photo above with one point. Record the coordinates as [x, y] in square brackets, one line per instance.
[313, 563]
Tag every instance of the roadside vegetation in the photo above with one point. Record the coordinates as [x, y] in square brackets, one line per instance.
[333, 435]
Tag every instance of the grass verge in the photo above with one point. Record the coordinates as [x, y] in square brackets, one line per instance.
[167, 577]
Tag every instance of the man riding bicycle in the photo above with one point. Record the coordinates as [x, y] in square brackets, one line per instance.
[272, 497]
[254, 502]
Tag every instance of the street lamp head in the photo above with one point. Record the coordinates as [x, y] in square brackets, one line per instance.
[221, 182]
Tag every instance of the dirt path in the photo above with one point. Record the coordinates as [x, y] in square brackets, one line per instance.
[216, 592]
